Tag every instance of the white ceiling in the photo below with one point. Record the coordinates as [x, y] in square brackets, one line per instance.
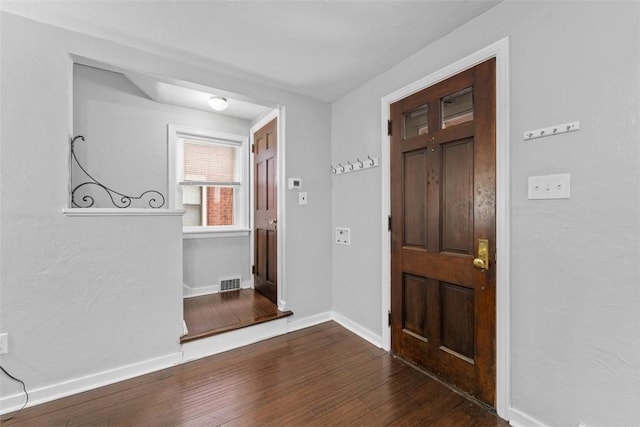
[322, 49]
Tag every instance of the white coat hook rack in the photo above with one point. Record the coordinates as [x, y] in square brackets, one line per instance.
[354, 166]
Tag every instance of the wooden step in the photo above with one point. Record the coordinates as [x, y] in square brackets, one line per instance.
[214, 314]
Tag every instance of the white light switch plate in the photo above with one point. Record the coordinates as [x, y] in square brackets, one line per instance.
[343, 235]
[550, 187]
[302, 198]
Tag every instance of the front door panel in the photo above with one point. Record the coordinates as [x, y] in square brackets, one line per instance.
[442, 203]
[266, 210]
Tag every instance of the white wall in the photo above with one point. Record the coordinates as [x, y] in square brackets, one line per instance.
[126, 149]
[208, 260]
[575, 294]
[83, 298]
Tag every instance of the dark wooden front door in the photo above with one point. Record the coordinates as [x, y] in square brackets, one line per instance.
[266, 210]
[442, 207]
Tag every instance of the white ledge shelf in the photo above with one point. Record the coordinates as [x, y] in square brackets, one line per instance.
[121, 212]
[207, 234]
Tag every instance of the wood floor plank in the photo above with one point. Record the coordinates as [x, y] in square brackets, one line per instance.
[342, 414]
[323, 375]
[386, 413]
[430, 412]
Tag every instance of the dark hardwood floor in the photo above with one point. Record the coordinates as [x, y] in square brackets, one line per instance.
[323, 375]
[214, 314]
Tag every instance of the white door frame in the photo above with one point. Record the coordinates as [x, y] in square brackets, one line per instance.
[500, 51]
[277, 113]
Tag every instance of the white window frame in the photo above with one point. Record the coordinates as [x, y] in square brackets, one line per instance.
[176, 136]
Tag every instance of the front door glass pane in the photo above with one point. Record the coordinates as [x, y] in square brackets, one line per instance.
[457, 108]
[415, 122]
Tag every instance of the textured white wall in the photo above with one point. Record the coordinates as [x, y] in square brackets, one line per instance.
[80, 296]
[575, 293]
[126, 149]
[206, 261]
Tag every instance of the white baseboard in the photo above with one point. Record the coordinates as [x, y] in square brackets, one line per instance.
[306, 322]
[296, 324]
[358, 330]
[189, 292]
[518, 418]
[245, 336]
[230, 340]
[88, 382]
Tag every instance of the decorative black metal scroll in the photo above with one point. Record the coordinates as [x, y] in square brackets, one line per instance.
[119, 200]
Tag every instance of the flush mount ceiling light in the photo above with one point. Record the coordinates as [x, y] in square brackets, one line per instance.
[218, 103]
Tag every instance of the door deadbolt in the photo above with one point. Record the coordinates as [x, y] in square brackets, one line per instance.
[482, 261]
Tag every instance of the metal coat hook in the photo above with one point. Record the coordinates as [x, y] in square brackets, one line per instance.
[551, 130]
[357, 165]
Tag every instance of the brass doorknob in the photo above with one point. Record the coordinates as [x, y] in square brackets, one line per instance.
[479, 262]
[273, 221]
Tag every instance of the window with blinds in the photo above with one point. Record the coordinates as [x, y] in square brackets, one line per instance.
[209, 179]
[210, 183]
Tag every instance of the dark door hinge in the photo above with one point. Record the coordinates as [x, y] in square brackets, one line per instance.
[389, 223]
[389, 127]
[253, 269]
[389, 318]
[253, 148]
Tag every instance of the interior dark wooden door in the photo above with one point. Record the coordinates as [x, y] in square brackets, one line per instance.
[266, 210]
[442, 204]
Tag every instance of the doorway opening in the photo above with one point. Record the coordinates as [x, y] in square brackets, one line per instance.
[263, 300]
[136, 122]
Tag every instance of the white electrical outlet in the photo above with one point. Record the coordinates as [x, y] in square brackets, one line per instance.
[550, 187]
[4, 343]
[343, 235]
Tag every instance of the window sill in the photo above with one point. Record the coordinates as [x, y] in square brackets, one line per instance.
[206, 234]
[121, 212]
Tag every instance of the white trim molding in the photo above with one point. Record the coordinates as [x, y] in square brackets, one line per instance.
[121, 212]
[186, 234]
[88, 382]
[520, 419]
[234, 339]
[306, 322]
[500, 51]
[190, 292]
[363, 333]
